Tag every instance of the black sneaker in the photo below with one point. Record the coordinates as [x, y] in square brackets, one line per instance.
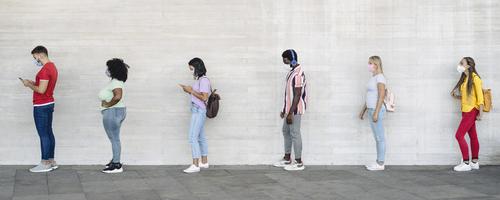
[110, 162]
[113, 168]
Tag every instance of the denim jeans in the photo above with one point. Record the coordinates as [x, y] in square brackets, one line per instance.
[43, 121]
[112, 119]
[378, 132]
[197, 138]
[292, 137]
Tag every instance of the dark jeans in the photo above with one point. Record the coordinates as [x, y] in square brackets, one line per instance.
[43, 123]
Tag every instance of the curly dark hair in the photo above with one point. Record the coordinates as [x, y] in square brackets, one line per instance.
[117, 69]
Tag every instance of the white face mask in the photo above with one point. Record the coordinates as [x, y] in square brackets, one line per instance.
[37, 63]
[107, 73]
[460, 69]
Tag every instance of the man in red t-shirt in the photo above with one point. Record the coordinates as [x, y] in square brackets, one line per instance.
[43, 107]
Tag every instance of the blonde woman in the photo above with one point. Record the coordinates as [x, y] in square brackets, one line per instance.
[375, 94]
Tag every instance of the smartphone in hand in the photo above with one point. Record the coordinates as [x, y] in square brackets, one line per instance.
[21, 79]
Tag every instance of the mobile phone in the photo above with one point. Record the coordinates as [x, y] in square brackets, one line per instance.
[21, 79]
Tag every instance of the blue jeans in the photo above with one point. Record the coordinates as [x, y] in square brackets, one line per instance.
[43, 121]
[378, 132]
[112, 119]
[197, 139]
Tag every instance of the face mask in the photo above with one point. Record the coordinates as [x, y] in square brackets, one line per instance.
[287, 68]
[371, 68]
[37, 63]
[460, 69]
[107, 73]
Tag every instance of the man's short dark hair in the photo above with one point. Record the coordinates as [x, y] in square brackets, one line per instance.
[40, 49]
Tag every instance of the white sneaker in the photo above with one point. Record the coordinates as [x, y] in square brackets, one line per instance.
[282, 163]
[375, 167]
[295, 167]
[54, 165]
[204, 166]
[474, 165]
[192, 169]
[462, 167]
[41, 168]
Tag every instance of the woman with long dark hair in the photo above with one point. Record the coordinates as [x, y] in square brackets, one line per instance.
[199, 92]
[469, 90]
[113, 109]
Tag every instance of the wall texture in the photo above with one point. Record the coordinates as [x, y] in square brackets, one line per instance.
[420, 43]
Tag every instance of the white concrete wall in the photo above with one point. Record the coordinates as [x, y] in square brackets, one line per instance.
[241, 42]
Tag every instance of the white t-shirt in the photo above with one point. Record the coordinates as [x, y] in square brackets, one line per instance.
[372, 90]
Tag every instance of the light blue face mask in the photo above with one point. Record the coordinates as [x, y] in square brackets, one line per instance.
[37, 63]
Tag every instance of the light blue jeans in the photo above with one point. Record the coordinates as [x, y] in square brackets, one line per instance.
[197, 138]
[378, 132]
[112, 119]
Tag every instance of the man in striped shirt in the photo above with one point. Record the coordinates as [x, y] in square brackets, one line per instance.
[294, 106]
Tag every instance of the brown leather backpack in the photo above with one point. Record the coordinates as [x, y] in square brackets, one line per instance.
[213, 104]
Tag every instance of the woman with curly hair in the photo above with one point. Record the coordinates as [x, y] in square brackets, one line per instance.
[113, 109]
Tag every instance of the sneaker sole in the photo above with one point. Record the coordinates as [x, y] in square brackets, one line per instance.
[462, 170]
[191, 172]
[55, 167]
[369, 169]
[297, 169]
[41, 171]
[113, 171]
[294, 170]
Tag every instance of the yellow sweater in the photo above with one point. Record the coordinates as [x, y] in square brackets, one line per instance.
[475, 99]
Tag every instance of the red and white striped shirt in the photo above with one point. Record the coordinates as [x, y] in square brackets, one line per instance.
[295, 79]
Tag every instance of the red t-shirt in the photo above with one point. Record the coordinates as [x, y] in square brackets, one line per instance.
[48, 72]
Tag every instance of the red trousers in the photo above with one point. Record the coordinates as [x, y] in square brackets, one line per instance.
[468, 124]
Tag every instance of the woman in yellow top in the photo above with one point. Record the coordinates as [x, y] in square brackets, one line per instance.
[469, 90]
